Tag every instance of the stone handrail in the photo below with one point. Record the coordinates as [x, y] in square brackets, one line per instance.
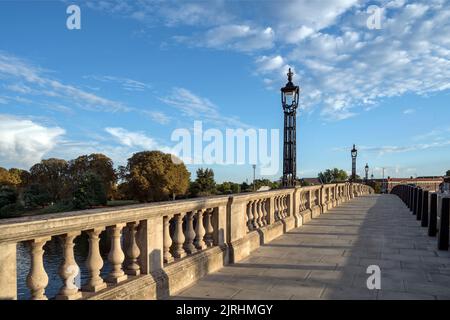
[159, 248]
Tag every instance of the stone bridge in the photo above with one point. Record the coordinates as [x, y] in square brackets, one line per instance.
[300, 243]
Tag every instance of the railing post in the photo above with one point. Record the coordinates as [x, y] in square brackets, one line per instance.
[425, 208]
[433, 215]
[271, 210]
[419, 205]
[443, 234]
[414, 211]
[151, 244]
[8, 274]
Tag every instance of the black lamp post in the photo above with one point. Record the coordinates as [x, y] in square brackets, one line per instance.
[354, 153]
[367, 172]
[289, 100]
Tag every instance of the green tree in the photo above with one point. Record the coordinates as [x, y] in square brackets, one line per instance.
[8, 196]
[52, 175]
[90, 191]
[95, 163]
[264, 183]
[36, 196]
[204, 184]
[229, 188]
[447, 173]
[333, 176]
[153, 176]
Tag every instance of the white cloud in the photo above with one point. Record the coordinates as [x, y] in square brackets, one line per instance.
[199, 108]
[158, 117]
[24, 142]
[126, 83]
[132, 139]
[409, 111]
[18, 71]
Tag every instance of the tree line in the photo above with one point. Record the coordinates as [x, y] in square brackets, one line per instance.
[55, 185]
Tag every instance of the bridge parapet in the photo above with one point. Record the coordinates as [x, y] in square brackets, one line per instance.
[157, 249]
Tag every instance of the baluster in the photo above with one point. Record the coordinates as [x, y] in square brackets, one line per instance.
[178, 237]
[209, 240]
[255, 214]
[69, 269]
[250, 216]
[132, 251]
[190, 234]
[167, 240]
[37, 279]
[258, 210]
[266, 213]
[94, 262]
[283, 208]
[199, 232]
[279, 208]
[116, 255]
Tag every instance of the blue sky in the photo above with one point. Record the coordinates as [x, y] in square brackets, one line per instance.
[138, 70]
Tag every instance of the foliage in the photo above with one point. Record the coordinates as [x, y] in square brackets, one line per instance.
[95, 163]
[89, 191]
[52, 175]
[245, 187]
[228, 188]
[204, 184]
[153, 176]
[36, 196]
[264, 182]
[447, 173]
[8, 196]
[333, 176]
[11, 210]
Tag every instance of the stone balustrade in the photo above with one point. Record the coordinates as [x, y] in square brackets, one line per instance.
[158, 249]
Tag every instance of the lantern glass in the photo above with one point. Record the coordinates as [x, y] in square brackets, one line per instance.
[354, 153]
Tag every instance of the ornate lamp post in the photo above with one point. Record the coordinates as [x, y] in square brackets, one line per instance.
[289, 100]
[367, 172]
[354, 154]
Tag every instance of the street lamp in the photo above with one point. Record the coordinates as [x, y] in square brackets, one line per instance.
[367, 172]
[354, 154]
[289, 100]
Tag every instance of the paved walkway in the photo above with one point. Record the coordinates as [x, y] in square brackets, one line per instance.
[327, 259]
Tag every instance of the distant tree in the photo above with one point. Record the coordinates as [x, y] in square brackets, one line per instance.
[95, 163]
[447, 173]
[36, 196]
[333, 176]
[153, 176]
[12, 177]
[264, 182]
[90, 191]
[204, 184]
[228, 188]
[8, 195]
[52, 175]
[245, 187]
[304, 183]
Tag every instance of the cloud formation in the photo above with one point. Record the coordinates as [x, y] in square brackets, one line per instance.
[24, 142]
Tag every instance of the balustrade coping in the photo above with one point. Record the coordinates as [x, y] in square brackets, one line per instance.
[54, 224]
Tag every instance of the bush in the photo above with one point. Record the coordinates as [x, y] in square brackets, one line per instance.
[36, 196]
[8, 196]
[89, 192]
[11, 210]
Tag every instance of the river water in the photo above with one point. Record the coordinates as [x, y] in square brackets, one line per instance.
[52, 260]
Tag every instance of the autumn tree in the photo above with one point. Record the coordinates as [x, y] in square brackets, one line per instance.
[95, 163]
[52, 175]
[153, 176]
